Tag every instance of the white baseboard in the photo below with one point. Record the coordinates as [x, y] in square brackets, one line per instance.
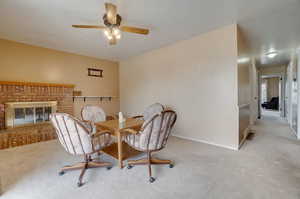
[206, 142]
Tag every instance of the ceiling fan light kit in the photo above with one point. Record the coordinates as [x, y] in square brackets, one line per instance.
[111, 33]
[113, 28]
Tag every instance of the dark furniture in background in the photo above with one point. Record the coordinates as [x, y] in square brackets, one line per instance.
[272, 104]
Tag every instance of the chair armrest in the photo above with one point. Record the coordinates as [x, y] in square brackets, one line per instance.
[99, 133]
[88, 123]
[111, 117]
[137, 117]
[129, 130]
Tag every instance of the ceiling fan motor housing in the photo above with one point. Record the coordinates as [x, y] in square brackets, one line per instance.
[119, 19]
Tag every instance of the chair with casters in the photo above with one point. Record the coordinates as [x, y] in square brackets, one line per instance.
[92, 114]
[77, 138]
[152, 137]
[150, 111]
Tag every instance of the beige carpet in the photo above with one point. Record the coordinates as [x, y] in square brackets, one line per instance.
[268, 167]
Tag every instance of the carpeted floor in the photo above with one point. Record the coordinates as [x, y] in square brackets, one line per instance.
[268, 167]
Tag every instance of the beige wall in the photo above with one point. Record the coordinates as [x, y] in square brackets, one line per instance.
[20, 62]
[254, 92]
[244, 86]
[196, 77]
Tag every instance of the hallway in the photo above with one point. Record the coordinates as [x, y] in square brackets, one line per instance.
[274, 140]
[275, 152]
[272, 124]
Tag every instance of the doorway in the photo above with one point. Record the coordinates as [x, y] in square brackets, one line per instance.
[270, 92]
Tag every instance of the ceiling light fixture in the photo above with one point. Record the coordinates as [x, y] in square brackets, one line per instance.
[271, 54]
[112, 25]
[243, 60]
[118, 36]
[109, 37]
[112, 32]
[116, 31]
[106, 32]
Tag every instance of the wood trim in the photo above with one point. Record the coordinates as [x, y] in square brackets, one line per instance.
[128, 152]
[36, 84]
[245, 132]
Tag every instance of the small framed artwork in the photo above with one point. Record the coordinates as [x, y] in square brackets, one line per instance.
[94, 72]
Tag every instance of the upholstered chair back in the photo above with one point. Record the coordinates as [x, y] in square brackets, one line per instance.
[154, 133]
[93, 113]
[152, 110]
[72, 134]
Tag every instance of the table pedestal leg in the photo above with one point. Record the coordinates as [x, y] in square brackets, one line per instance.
[120, 155]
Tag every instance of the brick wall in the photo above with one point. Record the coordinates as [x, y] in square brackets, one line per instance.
[34, 93]
[26, 135]
[2, 117]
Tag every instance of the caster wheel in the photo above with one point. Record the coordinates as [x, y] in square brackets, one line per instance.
[129, 167]
[108, 168]
[61, 173]
[79, 184]
[171, 165]
[151, 180]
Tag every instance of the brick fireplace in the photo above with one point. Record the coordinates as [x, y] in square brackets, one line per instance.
[28, 113]
[32, 92]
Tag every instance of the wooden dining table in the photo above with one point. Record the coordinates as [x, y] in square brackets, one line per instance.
[120, 150]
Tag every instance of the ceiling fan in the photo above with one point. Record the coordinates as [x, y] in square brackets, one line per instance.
[112, 21]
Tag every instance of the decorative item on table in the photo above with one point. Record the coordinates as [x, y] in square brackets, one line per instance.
[121, 117]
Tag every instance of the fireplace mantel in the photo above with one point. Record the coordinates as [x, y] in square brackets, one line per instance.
[36, 84]
[30, 104]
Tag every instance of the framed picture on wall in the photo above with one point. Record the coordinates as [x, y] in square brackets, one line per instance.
[94, 72]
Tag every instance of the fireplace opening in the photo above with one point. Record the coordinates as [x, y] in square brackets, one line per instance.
[24, 113]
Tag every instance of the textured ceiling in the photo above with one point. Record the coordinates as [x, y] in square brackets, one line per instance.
[266, 24]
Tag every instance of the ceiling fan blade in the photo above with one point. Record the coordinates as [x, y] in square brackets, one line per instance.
[135, 30]
[88, 26]
[111, 13]
[113, 41]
